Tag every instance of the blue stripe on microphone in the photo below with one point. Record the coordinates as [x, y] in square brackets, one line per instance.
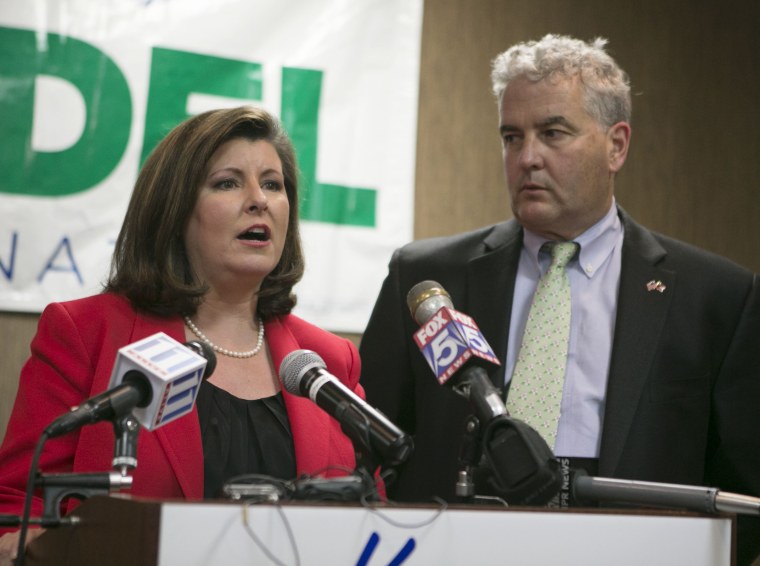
[147, 345]
[194, 376]
[186, 362]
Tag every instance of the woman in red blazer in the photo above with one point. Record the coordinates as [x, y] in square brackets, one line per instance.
[210, 250]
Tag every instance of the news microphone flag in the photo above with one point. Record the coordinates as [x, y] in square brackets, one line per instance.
[448, 340]
[175, 373]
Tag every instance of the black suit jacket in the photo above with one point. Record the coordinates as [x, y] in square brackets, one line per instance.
[684, 383]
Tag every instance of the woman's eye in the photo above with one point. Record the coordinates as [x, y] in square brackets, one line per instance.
[225, 184]
[272, 185]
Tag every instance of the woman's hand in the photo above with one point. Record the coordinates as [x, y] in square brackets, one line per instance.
[9, 545]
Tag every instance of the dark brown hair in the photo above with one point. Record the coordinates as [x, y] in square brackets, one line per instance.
[150, 265]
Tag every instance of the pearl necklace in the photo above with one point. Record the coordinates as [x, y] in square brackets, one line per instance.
[225, 351]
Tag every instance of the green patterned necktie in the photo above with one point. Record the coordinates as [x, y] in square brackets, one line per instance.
[535, 393]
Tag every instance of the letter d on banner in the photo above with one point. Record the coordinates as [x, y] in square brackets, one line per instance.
[108, 114]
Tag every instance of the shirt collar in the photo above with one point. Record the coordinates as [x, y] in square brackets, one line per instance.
[597, 243]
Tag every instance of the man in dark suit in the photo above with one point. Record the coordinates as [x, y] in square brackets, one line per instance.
[662, 376]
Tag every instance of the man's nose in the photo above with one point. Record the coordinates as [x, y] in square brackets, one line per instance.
[531, 156]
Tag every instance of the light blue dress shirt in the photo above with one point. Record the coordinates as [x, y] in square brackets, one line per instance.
[594, 280]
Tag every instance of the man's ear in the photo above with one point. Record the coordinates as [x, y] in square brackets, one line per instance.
[618, 139]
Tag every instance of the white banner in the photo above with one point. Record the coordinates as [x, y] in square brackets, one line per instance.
[88, 87]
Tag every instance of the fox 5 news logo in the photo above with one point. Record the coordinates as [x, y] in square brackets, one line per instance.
[448, 340]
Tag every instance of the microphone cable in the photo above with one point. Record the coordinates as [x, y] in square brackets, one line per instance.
[30, 483]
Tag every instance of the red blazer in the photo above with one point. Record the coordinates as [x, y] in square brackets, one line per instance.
[72, 357]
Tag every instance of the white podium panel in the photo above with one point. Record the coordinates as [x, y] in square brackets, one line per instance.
[232, 534]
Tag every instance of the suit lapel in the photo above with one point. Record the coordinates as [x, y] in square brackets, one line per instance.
[180, 439]
[490, 286]
[309, 424]
[641, 315]
[642, 309]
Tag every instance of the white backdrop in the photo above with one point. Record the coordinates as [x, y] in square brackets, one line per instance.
[56, 247]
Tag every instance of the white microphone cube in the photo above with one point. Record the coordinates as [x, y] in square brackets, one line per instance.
[174, 371]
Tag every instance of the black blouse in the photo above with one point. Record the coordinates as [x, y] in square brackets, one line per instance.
[241, 437]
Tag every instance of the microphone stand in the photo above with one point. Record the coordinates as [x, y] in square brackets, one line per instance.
[57, 487]
[368, 459]
[366, 464]
[523, 469]
[470, 457]
[125, 429]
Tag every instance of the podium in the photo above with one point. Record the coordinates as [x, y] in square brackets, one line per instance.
[120, 531]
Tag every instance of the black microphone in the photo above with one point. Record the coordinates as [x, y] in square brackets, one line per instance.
[711, 500]
[156, 377]
[304, 373]
[525, 471]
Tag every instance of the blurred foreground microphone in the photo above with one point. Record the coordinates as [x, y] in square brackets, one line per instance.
[304, 373]
[525, 472]
[701, 499]
[156, 378]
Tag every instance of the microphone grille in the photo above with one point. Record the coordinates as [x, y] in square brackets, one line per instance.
[425, 299]
[293, 367]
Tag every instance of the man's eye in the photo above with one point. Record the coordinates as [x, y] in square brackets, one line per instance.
[553, 134]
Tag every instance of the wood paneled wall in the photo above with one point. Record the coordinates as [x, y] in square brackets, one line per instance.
[694, 166]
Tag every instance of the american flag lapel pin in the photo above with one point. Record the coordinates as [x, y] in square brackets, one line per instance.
[658, 286]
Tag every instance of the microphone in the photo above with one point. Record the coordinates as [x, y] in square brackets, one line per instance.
[525, 471]
[454, 348]
[157, 378]
[709, 500]
[304, 373]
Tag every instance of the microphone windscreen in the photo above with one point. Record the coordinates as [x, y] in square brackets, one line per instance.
[293, 367]
[205, 351]
[425, 299]
[173, 370]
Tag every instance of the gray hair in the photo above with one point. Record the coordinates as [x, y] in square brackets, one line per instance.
[607, 92]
